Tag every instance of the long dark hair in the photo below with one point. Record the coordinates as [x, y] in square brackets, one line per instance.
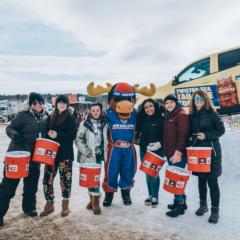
[141, 114]
[56, 118]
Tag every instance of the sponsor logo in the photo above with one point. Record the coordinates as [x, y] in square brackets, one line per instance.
[12, 168]
[180, 184]
[172, 183]
[40, 151]
[27, 167]
[208, 160]
[97, 178]
[146, 164]
[202, 160]
[49, 153]
[83, 177]
[193, 160]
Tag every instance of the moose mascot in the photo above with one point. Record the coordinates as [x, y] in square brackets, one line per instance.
[121, 154]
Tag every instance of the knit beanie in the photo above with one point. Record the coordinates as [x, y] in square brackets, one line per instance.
[33, 96]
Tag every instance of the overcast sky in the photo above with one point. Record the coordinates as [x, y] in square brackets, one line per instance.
[61, 45]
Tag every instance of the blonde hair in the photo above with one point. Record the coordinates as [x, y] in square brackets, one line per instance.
[208, 105]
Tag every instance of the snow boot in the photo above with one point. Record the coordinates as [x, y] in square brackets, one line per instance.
[95, 205]
[32, 213]
[126, 197]
[171, 206]
[107, 202]
[214, 215]
[89, 205]
[202, 209]
[49, 208]
[1, 221]
[154, 202]
[177, 210]
[65, 208]
[148, 201]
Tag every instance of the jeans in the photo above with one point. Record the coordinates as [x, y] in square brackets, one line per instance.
[96, 191]
[182, 164]
[153, 183]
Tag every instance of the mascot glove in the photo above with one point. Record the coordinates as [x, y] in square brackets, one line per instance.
[154, 146]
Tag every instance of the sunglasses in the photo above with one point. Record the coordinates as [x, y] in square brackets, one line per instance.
[37, 103]
[201, 99]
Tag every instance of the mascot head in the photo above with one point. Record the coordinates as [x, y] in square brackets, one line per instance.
[121, 96]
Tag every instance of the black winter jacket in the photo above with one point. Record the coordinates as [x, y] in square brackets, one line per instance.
[66, 133]
[24, 129]
[210, 123]
[149, 129]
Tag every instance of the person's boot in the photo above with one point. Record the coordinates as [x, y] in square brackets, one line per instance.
[32, 213]
[95, 205]
[148, 201]
[154, 202]
[126, 197]
[214, 215]
[107, 202]
[65, 208]
[49, 208]
[177, 210]
[202, 209]
[171, 206]
[89, 205]
[1, 221]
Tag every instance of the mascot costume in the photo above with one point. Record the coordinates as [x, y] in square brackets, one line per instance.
[120, 166]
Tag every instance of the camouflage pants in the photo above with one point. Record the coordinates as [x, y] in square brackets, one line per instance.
[65, 172]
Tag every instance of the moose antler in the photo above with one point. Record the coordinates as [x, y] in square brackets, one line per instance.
[146, 91]
[98, 90]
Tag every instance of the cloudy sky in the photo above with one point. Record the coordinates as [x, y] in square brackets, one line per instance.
[61, 45]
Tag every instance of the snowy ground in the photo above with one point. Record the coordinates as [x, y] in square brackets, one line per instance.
[136, 221]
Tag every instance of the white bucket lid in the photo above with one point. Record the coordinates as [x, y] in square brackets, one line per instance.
[48, 140]
[18, 154]
[163, 158]
[178, 170]
[90, 165]
[199, 148]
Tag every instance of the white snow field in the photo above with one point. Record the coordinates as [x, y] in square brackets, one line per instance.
[132, 222]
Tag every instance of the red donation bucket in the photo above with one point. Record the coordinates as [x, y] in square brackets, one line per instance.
[199, 159]
[90, 175]
[45, 151]
[17, 164]
[152, 163]
[176, 180]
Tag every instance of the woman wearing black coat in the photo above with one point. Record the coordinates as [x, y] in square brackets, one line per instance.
[62, 129]
[206, 127]
[23, 131]
[149, 132]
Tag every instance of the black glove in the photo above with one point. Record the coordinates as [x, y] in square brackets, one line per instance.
[18, 138]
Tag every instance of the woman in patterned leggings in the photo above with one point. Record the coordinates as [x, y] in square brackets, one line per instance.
[62, 129]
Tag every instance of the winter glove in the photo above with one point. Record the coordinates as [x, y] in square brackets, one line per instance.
[154, 146]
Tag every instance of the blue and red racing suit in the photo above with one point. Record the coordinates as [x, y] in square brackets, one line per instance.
[121, 157]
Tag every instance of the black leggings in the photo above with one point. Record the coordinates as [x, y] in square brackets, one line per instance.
[212, 182]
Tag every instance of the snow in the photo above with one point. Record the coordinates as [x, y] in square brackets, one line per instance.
[136, 221]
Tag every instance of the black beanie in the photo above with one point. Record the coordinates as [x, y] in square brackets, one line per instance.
[33, 96]
[62, 98]
[171, 97]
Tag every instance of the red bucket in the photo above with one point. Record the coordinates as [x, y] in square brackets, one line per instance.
[90, 175]
[45, 151]
[17, 164]
[199, 159]
[152, 163]
[176, 180]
